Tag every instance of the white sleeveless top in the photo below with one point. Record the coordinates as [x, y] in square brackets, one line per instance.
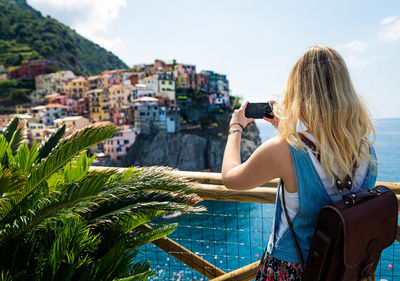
[292, 199]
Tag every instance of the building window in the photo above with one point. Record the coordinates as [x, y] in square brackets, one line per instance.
[126, 141]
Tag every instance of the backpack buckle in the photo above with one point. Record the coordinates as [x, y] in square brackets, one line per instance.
[367, 270]
[350, 199]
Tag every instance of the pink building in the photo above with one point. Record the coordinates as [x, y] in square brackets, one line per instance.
[69, 102]
[221, 98]
[118, 146]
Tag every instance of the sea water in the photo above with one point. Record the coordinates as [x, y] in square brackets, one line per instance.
[231, 235]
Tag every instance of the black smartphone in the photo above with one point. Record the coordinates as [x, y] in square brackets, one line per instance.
[259, 110]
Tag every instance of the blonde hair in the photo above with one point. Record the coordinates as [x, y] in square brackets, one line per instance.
[320, 96]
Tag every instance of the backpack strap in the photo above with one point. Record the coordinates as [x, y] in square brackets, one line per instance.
[296, 244]
[348, 184]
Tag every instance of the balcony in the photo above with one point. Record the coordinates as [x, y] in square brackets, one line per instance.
[226, 242]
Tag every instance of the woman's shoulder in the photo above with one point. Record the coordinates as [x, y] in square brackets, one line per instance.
[276, 144]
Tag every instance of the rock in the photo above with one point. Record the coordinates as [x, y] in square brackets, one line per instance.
[188, 151]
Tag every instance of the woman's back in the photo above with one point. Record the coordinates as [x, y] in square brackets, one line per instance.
[321, 100]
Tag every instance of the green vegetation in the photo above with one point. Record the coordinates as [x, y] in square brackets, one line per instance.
[13, 53]
[25, 34]
[14, 92]
[235, 102]
[59, 221]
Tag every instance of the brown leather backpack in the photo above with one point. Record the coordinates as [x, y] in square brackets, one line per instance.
[350, 236]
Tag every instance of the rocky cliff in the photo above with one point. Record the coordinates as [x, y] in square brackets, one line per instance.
[189, 150]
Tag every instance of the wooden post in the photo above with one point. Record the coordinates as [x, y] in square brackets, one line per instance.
[185, 256]
[245, 273]
[398, 234]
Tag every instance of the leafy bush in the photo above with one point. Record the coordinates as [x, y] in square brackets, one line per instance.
[60, 221]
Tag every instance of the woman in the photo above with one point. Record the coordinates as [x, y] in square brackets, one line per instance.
[321, 104]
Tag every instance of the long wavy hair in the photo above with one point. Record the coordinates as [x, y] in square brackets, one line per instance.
[320, 98]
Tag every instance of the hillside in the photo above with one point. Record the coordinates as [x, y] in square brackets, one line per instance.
[25, 35]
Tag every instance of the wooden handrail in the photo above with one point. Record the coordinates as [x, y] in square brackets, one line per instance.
[215, 178]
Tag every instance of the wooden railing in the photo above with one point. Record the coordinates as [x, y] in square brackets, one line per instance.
[212, 188]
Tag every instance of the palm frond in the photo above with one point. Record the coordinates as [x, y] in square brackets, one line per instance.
[17, 223]
[50, 143]
[114, 264]
[16, 140]
[58, 158]
[70, 147]
[6, 156]
[5, 276]
[140, 272]
[26, 157]
[111, 209]
[11, 128]
[77, 167]
[118, 259]
[156, 178]
[11, 182]
[72, 245]
[140, 237]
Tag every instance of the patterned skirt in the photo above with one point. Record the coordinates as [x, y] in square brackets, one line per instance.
[272, 269]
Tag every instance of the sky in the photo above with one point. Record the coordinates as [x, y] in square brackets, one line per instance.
[254, 42]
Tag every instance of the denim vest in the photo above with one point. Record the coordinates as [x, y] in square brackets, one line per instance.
[312, 197]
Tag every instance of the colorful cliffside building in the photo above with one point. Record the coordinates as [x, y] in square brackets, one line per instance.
[77, 87]
[30, 70]
[97, 82]
[99, 105]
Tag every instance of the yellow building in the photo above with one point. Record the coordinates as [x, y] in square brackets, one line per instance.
[119, 96]
[98, 82]
[182, 81]
[99, 105]
[166, 87]
[77, 87]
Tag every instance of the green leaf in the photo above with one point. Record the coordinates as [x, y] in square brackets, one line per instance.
[25, 158]
[78, 167]
[6, 157]
[80, 141]
[51, 143]
[11, 128]
[140, 272]
[16, 140]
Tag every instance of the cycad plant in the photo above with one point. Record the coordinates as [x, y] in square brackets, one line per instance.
[60, 221]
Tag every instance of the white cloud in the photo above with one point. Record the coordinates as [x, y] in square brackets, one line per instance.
[89, 18]
[391, 29]
[354, 61]
[354, 46]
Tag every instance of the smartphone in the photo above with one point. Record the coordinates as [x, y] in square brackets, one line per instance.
[259, 110]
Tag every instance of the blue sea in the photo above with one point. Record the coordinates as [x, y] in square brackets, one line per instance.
[231, 235]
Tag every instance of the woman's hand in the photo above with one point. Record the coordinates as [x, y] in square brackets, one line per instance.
[274, 121]
[238, 116]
